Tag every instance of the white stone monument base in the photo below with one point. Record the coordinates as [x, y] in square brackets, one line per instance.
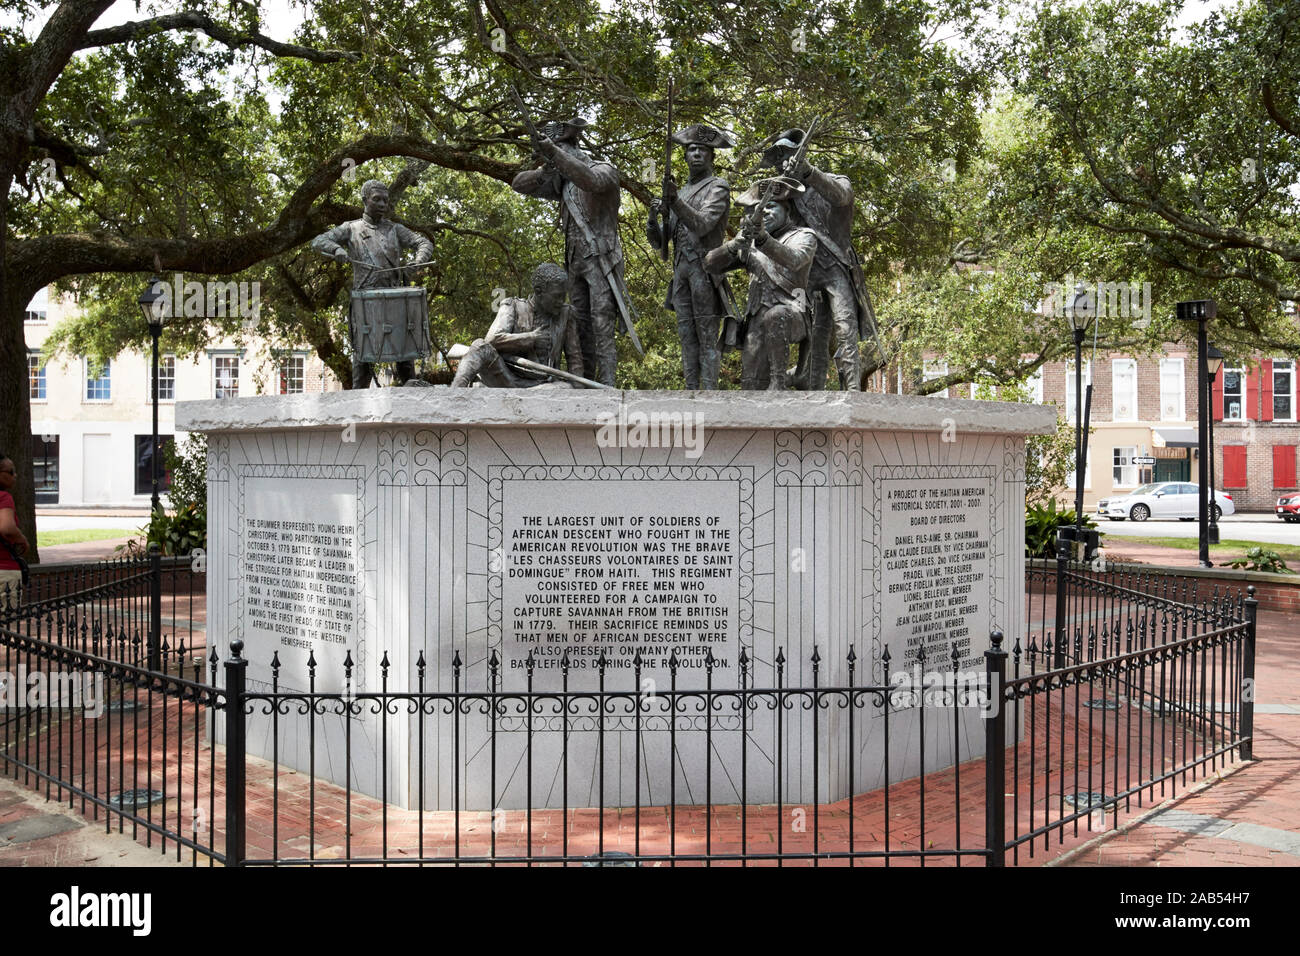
[487, 525]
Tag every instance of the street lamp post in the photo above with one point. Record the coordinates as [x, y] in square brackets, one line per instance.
[1079, 311]
[153, 305]
[1213, 362]
[1201, 311]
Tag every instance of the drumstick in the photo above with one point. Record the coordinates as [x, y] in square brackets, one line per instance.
[413, 265]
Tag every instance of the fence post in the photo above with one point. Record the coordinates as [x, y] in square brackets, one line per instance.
[1247, 749]
[1062, 562]
[155, 607]
[995, 752]
[236, 671]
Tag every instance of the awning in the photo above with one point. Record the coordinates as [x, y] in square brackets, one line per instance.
[1175, 438]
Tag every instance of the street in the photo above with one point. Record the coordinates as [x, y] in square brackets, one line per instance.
[1261, 528]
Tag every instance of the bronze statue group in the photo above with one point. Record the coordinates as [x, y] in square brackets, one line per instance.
[805, 280]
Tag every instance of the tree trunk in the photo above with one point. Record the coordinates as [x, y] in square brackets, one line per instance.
[16, 420]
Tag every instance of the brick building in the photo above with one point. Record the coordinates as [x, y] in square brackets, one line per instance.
[1256, 434]
[1145, 407]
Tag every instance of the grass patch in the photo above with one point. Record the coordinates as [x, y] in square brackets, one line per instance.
[45, 539]
[1224, 551]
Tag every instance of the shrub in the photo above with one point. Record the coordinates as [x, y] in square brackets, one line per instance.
[1260, 559]
[1041, 522]
[188, 464]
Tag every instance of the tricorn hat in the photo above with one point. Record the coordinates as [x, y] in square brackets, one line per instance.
[786, 188]
[786, 142]
[566, 131]
[704, 135]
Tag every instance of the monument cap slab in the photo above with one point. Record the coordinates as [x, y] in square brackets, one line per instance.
[560, 408]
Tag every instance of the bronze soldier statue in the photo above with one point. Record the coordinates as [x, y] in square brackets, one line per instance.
[588, 193]
[695, 217]
[374, 245]
[778, 253]
[836, 286]
[540, 329]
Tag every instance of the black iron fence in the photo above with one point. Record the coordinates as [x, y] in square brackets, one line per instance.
[856, 761]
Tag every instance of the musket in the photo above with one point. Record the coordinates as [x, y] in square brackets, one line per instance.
[459, 351]
[529, 365]
[664, 207]
[756, 214]
[533, 134]
[624, 307]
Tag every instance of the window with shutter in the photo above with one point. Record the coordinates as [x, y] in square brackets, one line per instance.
[1234, 466]
[1284, 466]
[1283, 391]
[1234, 394]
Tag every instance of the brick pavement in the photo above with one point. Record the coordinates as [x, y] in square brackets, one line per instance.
[122, 751]
[1264, 793]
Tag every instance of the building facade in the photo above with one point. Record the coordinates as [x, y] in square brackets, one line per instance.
[92, 424]
[1144, 424]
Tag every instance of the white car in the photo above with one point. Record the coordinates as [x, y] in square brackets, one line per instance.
[1163, 499]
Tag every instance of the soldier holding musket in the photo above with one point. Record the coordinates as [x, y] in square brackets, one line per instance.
[778, 253]
[695, 217]
[539, 330]
[835, 284]
[588, 192]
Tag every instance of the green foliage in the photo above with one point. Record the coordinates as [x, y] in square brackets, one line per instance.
[1178, 144]
[1260, 559]
[1049, 460]
[229, 138]
[1041, 522]
[188, 464]
[175, 534]
[984, 168]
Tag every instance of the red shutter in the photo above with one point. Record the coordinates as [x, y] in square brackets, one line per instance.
[1252, 395]
[1284, 466]
[1216, 401]
[1266, 378]
[1234, 466]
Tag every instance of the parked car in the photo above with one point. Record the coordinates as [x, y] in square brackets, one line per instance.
[1162, 499]
[1288, 507]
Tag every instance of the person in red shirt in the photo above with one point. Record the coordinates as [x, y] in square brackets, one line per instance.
[15, 543]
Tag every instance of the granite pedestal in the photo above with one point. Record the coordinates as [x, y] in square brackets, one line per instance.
[477, 526]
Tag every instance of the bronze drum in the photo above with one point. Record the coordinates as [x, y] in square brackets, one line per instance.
[390, 325]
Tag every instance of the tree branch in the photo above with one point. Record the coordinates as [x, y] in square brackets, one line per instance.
[1286, 123]
[37, 261]
[194, 20]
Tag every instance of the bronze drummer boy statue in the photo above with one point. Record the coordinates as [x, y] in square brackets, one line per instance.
[374, 244]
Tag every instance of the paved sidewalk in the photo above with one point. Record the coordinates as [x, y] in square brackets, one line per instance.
[83, 551]
[1244, 814]
[1248, 816]
[39, 832]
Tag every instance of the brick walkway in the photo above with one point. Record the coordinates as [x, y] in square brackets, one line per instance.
[1251, 817]
[1262, 793]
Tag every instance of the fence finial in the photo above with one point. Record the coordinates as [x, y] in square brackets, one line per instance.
[236, 648]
